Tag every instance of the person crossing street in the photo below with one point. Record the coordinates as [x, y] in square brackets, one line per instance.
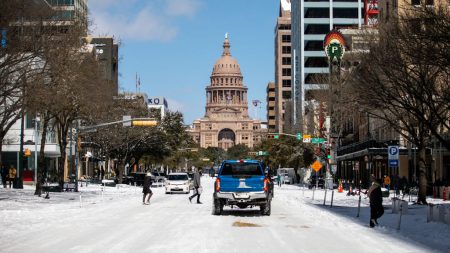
[146, 189]
[197, 186]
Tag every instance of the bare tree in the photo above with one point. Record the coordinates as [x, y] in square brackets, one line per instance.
[399, 83]
[19, 57]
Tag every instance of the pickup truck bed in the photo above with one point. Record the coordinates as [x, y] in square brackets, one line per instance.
[242, 183]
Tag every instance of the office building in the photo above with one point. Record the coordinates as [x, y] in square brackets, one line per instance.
[283, 64]
[311, 21]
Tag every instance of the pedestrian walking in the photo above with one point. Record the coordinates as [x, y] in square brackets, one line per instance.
[147, 192]
[4, 173]
[387, 182]
[376, 202]
[12, 175]
[279, 180]
[102, 173]
[197, 186]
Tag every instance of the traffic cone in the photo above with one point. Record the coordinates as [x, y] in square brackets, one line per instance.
[340, 187]
[444, 194]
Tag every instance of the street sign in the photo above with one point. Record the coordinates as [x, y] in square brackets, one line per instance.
[316, 166]
[317, 140]
[393, 163]
[393, 152]
[307, 138]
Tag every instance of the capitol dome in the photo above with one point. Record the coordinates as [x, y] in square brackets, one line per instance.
[226, 65]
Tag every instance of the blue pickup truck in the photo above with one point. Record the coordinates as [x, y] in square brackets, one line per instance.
[242, 183]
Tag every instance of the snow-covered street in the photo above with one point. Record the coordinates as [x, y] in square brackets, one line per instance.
[116, 221]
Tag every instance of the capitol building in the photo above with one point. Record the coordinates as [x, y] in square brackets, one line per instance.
[226, 122]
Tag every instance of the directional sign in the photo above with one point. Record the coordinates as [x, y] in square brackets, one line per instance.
[393, 163]
[317, 140]
[316, 166]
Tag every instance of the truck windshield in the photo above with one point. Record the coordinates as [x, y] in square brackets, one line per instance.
[244, 169]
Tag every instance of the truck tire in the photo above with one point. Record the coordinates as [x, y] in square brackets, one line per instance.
[217, 207]
[266, 208]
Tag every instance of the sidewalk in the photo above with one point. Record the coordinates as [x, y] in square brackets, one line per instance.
[413, 225]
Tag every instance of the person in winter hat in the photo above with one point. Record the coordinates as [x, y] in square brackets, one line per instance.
[197, 186]
[376, 202]
[146, 189]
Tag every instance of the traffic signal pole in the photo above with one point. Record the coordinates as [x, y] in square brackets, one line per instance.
[126, 119]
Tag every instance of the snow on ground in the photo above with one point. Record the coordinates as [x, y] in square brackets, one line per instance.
[116, 221]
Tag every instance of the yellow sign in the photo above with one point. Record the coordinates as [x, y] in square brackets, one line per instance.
[306, 138]
[316, 166]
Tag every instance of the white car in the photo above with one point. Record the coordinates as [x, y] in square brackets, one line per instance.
[177, 182]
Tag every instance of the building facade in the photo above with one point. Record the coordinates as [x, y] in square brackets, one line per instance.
[107, 53]
[226, 122]
[158, 103]
[311, 21]
[283, 64]
[271, 104]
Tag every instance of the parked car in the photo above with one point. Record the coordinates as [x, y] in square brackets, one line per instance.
[178, 182]
[158, 179]
[316, 180]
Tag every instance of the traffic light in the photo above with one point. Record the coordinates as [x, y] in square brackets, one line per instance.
[144, 123]
[276, 136]
[299, 136]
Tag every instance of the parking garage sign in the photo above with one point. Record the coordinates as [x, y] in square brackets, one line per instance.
[393, 155]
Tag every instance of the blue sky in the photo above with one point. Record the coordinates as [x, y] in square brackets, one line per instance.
[173, 45]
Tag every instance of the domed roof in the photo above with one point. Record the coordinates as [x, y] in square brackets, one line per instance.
[226, 65]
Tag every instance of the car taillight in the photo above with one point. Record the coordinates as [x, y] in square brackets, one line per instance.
[266, 184]
[217, 185]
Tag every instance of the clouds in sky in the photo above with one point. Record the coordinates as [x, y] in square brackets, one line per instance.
[140, 20]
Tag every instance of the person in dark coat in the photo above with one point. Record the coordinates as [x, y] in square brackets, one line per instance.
[197, 186]
[4, 173]
[376, 202]
[146, 189]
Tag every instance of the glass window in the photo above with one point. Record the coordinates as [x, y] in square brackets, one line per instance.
[285, 38]
[286, 94]
[286, 49]
[286, 60]
[178, 177]
[241, 169]
[287, 83]
[286, 72]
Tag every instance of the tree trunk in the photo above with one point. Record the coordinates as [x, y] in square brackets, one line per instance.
[42, 169]
[423, 182]
[62, 148]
